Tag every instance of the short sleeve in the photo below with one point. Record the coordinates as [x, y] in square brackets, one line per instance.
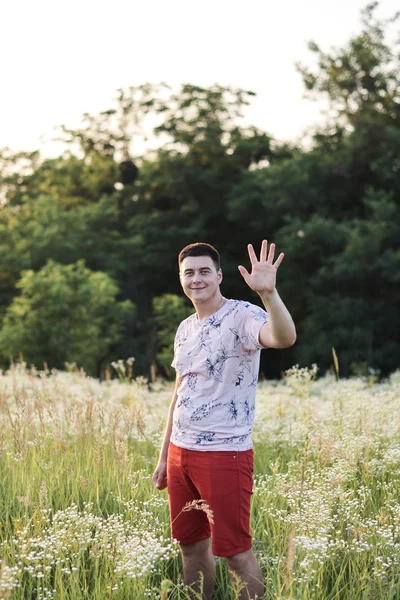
[178, 337]
[253, 318]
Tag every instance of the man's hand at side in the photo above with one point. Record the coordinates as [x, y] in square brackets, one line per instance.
[160, 475]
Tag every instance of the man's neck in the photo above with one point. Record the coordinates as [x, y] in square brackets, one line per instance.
[206, 309]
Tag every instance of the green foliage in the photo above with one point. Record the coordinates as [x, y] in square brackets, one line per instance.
[63, 314]
[332, 208]
[349, 291]
[363, 77]
[169, 310]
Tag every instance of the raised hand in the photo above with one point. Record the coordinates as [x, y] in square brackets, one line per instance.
[262, 278]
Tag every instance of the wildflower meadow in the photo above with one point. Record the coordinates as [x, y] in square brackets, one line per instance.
[80, 517]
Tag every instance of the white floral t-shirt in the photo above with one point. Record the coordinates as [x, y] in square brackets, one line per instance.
[217, 360]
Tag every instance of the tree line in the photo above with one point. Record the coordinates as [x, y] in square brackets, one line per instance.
[89, 240]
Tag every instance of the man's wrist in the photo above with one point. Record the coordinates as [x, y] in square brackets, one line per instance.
[267, 295]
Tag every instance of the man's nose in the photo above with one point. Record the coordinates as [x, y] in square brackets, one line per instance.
[197, 277]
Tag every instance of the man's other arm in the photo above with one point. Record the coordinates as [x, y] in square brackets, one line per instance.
[160, 474]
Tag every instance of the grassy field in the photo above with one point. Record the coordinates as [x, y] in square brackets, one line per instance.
[80, 517]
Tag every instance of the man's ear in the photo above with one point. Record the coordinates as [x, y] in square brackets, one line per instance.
[220, 275]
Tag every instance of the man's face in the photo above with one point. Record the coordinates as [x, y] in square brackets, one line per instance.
[200, 279]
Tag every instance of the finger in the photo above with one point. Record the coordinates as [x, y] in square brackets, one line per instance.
[244, 272]
[252, 254]
[271, 253]
[279, 260]
[263, 253]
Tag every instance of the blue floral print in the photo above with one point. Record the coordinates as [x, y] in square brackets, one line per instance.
[217, 361]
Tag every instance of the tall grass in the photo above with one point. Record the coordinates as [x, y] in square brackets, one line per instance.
[80, 517]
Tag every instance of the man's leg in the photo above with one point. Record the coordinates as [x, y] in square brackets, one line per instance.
[188, 525]
[246, 566]
[197, 558]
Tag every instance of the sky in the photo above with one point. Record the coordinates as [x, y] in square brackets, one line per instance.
[61, 59]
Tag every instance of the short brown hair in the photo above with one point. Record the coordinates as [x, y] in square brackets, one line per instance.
[200, 249]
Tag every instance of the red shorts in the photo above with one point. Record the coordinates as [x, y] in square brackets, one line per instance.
[224, 480]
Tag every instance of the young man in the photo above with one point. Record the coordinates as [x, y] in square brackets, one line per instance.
[207, 451]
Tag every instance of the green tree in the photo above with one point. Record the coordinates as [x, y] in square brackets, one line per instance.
[64, 314]
[362, 78]
[354, 296]
[214, 180]
[169, 310]
[335, 209]
[183, 190]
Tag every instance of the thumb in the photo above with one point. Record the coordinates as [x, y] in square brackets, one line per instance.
[244, 272]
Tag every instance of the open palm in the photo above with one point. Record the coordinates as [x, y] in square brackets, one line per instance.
[262, 278]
